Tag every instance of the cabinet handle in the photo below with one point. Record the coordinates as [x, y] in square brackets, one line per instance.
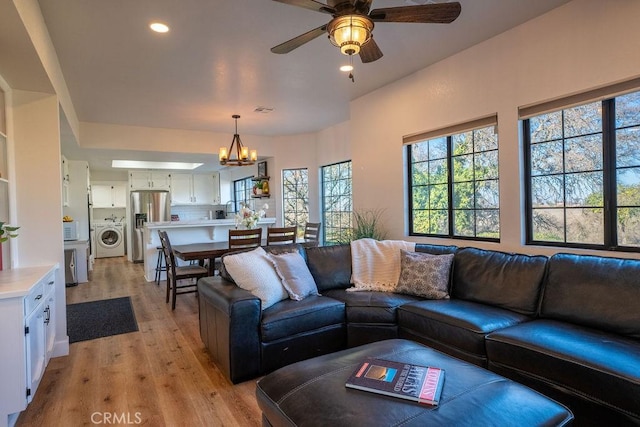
[47, 317]
[51, 282]
[38, 297]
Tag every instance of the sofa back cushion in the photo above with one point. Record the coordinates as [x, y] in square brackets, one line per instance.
[436, 249]
[598, 292]
[505, 280]
[330, 266]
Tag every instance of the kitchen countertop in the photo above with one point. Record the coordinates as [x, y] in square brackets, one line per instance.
[200, 223]
[17, 282]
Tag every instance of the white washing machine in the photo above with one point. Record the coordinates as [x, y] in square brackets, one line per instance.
[109, 239]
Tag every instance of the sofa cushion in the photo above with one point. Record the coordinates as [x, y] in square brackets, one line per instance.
[330, 266]
[295, 276]
[593, 291]
[455, 324]
[371, 307]
[289, 317]
[510, 281]
[595, 365]
[424, 275]
[254, 272]
[435, 249]
[273, 249]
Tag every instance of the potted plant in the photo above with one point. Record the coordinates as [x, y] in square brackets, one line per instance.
[6, 232]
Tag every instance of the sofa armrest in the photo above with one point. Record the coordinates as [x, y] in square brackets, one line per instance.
[229, 327]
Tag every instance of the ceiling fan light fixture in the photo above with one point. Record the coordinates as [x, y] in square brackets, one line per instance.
[244, 156]
[350, 32]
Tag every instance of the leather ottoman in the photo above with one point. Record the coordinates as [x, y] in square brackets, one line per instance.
[313, 393]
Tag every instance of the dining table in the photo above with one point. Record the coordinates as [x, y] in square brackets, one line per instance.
[201, 252]
[212, 250]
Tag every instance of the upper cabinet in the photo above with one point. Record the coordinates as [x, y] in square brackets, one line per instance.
[195, 189]
[109, 195]
[4, 174]
[149, 180]
[65, 181]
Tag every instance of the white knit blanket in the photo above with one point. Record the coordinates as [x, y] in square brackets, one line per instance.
[375, 265]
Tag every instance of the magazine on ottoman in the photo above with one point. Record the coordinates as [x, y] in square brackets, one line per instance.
[418, 383]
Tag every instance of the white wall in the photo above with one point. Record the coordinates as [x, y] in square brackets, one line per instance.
[579, 46]
[35, 136]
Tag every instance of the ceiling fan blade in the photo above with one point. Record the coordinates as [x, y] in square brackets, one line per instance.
[370, 52]
[310, 4]
[296, 42]
[440, 13]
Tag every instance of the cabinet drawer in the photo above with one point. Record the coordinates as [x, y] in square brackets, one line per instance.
[35, 297]
[49, 283]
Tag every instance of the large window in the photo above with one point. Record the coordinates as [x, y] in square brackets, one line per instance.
[336, 201]
[295, 197]
[242, 192]
[583, 175]
[453, 184]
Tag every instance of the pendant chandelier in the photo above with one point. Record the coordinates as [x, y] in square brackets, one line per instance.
[244, 156]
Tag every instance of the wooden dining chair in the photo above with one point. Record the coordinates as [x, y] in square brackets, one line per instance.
[281, 235]
[177, 273]
[312, 231]
[242, 239]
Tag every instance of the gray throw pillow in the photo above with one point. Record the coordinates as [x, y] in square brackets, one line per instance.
[295, 275]
[424, 275]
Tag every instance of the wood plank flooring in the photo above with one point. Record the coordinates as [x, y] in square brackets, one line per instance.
[159, 376]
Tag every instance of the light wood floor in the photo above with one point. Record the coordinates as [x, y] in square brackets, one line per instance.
[159, 376]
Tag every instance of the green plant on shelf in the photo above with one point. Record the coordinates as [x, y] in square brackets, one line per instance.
[7, 232]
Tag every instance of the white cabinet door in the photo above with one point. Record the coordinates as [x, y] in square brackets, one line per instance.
[36, 350]
[181, 185]
[49, 315]
[203, 193]
[139, 180]
[119, 194]
[160, 180]
[101, 195]
[216, 188]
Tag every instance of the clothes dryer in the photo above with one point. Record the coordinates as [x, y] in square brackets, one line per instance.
[109, 239]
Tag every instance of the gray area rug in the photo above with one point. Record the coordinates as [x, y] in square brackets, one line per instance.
[98, 319]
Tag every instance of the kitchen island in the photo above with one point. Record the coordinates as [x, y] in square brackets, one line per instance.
[185, 232]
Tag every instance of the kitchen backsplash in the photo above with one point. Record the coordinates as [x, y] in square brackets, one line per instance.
[193, 213]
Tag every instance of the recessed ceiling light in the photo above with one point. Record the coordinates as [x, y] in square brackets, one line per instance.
[346, 68]
[135, 164]
[159, 27]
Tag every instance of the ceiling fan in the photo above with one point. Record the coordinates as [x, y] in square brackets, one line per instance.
[352, 24]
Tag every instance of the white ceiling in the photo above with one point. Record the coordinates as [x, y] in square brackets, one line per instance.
[216, 60]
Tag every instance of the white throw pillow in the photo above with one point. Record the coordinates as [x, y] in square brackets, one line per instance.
[254, 272]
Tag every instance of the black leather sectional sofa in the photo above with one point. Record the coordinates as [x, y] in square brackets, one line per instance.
[567, 326]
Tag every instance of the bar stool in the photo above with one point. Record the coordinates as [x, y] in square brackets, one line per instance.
[160, 265]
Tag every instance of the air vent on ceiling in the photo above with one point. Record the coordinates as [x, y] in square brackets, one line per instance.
[263, 110]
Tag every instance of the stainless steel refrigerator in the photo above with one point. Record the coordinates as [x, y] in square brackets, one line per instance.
[146, 206]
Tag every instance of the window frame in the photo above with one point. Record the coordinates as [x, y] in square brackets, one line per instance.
[326, 224]
[248, 183]
[609, 180]
[449, 134]
[305, 200]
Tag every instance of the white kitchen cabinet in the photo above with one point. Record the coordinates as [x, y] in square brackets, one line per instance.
[27, 301]
[195, 189]
[149, 180]
[65, 181]
[109, 195]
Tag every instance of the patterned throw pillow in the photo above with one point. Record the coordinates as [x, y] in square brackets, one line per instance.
[424, 275]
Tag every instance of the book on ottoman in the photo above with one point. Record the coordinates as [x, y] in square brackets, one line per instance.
[421, 384]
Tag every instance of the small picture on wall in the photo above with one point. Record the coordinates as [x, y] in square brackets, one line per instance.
[262, 169]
